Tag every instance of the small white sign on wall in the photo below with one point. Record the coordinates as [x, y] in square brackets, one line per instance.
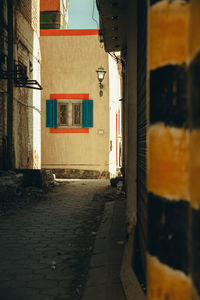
[100, 131]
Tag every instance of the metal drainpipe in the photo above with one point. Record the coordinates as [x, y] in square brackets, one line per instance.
[10, 86]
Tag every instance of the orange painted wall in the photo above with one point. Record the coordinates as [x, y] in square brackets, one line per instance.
[49, 5]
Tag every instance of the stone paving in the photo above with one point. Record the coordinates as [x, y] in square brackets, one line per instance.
[45, 247]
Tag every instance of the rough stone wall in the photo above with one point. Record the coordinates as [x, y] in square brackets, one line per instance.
[80, 174]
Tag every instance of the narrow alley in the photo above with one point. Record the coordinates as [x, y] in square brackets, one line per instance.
[45, 247]
[99, 150]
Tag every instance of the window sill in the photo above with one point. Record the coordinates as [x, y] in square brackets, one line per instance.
[69, 130]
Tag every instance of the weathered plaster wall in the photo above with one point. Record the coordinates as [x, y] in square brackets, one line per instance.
[26, 120]
[31, 12]
[69, 66]
[26, 123]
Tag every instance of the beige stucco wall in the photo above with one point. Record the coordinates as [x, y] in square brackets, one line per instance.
[69, 65]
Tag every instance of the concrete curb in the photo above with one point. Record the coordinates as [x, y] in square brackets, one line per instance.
[104, 276]
[129, 280]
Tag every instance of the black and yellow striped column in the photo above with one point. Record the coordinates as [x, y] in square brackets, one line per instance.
[168, 275]
[194, 105]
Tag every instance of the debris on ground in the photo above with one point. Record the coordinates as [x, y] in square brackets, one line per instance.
[120, 242]
[53, 265]
[20, 187]
[114, 181]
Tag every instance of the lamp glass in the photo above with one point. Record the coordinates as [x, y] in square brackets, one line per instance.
[100, 73]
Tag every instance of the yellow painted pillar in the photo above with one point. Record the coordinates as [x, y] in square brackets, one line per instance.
[168, 275]
[194, 108]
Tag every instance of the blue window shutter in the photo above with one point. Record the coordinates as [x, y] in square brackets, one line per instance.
[54, 113]
[51, 113]
[87, 113]
[83, 113]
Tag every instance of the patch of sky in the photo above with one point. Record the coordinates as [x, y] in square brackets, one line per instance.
[83, 14]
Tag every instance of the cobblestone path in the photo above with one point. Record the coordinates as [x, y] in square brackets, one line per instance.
[45, 247]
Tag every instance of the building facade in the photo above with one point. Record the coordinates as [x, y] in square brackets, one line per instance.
[54, 14]
[20, 85]
[78, 139]
[159, 44]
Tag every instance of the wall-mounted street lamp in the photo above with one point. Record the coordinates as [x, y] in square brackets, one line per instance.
[100, 75]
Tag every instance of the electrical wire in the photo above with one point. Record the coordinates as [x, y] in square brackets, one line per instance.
[93, 15]
[114, 56]
[27, 105]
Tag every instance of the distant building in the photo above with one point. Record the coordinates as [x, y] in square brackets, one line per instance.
[54, 14]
